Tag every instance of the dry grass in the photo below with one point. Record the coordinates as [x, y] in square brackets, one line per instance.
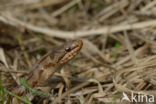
[119, 46]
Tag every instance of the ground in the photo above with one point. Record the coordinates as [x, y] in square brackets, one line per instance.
[118, 57]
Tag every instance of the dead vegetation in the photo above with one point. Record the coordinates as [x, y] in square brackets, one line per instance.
[118, 54]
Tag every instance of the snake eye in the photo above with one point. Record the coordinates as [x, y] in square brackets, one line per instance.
[68, 49]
